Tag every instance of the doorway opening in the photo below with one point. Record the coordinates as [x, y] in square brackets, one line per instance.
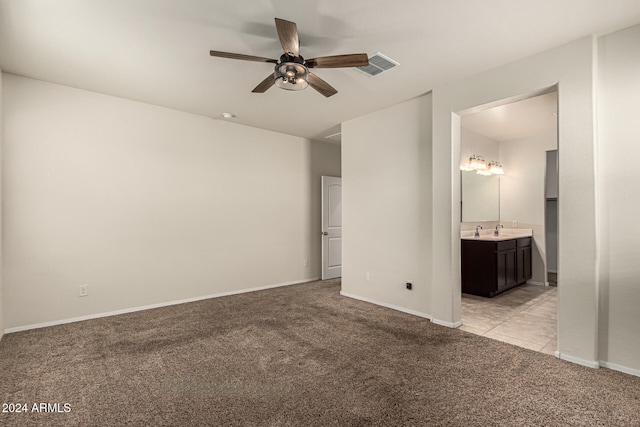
[521, 234]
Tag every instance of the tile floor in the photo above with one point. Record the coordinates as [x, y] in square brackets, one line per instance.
[525, 316]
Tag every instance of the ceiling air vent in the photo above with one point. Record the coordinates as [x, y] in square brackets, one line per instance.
[335, 137]
[378, 63]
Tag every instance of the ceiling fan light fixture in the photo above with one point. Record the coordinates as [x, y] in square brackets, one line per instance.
[291, 76]
[291, 73]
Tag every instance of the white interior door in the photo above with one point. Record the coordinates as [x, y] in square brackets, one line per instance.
[331, 227]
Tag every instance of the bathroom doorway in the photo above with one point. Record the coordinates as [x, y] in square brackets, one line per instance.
[519, 136]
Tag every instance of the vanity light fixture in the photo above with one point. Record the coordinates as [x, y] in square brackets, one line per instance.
[477, 162]
[496, 168]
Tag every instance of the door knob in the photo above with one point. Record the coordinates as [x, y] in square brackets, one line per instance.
[324, 233]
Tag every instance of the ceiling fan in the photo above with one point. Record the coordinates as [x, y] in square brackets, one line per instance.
[292, 70]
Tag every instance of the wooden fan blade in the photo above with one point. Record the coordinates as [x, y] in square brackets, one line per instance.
[339, 61]
[265, 84]
[320, 85]
[241, 56]
[288, 35]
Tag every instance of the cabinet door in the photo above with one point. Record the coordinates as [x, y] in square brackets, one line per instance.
[528, 272]
[478, 268]
[511, 269]
[506, 263]
[524, 272]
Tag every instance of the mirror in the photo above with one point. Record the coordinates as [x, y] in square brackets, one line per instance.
[480, 197]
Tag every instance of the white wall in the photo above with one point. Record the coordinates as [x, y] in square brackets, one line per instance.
[473, 143]
[146, 205]
[522, 191]
[570, 67]
[1, 228]
[619, 206]
[386, 206]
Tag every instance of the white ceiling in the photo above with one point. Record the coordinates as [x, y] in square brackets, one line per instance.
[516, 120]
[157, 51]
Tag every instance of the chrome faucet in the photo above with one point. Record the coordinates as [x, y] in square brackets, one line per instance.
[497, 233]
[477, 233]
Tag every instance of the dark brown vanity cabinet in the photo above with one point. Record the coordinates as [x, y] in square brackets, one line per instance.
[523, 260]
[491, 267]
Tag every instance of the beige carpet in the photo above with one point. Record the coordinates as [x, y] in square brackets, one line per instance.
[299, 355]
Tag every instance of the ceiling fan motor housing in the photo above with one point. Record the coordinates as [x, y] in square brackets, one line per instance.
[291, 73]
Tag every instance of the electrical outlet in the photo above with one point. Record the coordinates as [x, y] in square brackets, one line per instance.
[306, 263]
[84, 290]
[367, 276]
[514, 223]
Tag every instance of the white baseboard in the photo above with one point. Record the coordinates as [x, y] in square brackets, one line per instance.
[151, 306]
[384, 304]
[616, 367]
[587, 363]
[601, 363]
[535, 282]
[447, 324]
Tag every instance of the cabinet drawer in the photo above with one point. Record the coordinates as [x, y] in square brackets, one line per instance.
[525, 241]
[505, 245]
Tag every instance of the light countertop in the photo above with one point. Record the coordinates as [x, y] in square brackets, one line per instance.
[505, 234]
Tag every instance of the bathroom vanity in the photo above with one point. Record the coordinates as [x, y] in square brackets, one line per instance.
[493, 264]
